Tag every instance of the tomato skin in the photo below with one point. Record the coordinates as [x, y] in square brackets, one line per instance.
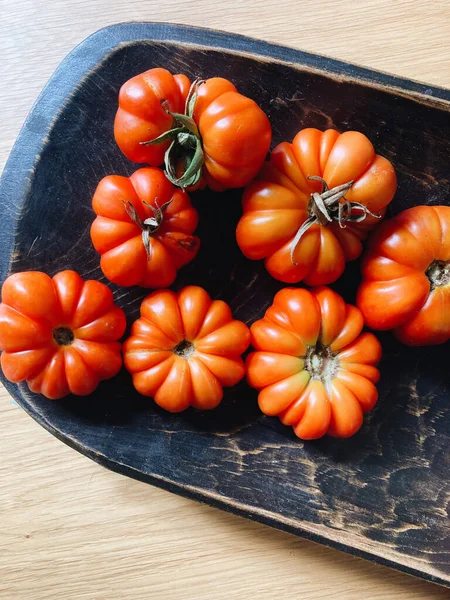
[142, 114]
[396, 292]
[34, 307]
[313, 367]
[184, 348]
[235, 133]
[118, 239]
[277, 204]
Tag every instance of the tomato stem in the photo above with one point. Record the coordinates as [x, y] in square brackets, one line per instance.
[191, 98]
[149, 226]
[186, 148]
[438, 274]
[328, 207]
[63, 336]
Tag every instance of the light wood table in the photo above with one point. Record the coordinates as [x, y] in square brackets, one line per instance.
[69, 529]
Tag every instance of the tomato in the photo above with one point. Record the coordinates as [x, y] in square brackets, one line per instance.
[219, 137]
[315, 369]
[184, 348]
[143, 228]
[313, 205]
[144, 102]
[59, 334]
[406, 276]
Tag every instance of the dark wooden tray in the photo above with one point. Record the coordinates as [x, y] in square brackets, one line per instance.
[383, 494]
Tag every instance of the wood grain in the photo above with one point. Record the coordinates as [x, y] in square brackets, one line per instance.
[154, 535]
[72, 530]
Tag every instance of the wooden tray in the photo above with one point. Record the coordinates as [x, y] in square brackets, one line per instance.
[383, 494]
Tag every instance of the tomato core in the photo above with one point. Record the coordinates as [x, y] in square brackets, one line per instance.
[184, 349]
[63, 336]
[438, 273]
[321, 363]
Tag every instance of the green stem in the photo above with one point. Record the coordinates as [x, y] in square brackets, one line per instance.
[186, 149]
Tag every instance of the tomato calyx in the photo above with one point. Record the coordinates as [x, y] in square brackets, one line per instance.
[184, 157]
[327, 207]
[63, 336]
[438, 274]
[321, 363]
[149, 226]
[184, 349]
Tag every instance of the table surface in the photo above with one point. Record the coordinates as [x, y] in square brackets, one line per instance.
[70, 529]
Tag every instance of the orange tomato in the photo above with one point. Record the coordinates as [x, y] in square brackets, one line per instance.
[406, 276]
[143, 228]
[184, 348]
[315, 369]
[59, 335]
[218, 138]
[144, 102]
[306, 229]
[235, 134]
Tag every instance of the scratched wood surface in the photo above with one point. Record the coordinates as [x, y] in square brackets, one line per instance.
[55, 522]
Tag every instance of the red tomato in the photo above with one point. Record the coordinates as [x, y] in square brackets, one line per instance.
[143, 228]
[315, 370]
[406, 276]
[59, 335]
[184, 348]
[144, 102]
[219, 137]
[314, 204]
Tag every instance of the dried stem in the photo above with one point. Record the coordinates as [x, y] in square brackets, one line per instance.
[149, 226]
[330, 206]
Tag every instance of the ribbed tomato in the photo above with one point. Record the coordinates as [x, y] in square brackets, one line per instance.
[212, 134]
[143, 228]
[313, 205]
[184, 348]
[59, 334]
[315, 369]
[406, 276]
[145, 103]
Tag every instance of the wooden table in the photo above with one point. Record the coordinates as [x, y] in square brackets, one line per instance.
[71, 530]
